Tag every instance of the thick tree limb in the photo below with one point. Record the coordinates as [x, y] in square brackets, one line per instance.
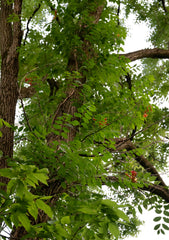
[122, 143]
[158, 190]
[147, 53]
[132, 56]
[161, 189]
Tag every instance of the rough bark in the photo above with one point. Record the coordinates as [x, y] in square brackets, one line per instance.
[10, 41]
[147, 53]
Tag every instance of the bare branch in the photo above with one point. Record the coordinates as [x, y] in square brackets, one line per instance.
[118, 13]
[146, 53]
[163, 4]
[33, 14]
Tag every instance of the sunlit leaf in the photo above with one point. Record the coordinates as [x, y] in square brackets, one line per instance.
[24, 221]
[46, 208]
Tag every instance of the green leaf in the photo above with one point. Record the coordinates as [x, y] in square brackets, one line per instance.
[156, 219]
[64, 135]
[140, 209]
[166, 219]
[157, 226]
[88, 210]
[158, 211]
[113, 228]
[114, 206]
[30, 182]
[24, 220]
[109, 203]
[166, 207]
[7, 172]
[65, 220]
[41, 177]
[43, 206]
[92, 108]
[56, 126]
[6, 124]
[32, 178]
[166, 213]
[20, 189]
[145, 203]
[75, 123]
[11, 186]
[121, 215]
[165, 226]
[61, 231]
[33, 210]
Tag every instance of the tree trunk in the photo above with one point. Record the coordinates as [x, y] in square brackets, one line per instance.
[10, 41]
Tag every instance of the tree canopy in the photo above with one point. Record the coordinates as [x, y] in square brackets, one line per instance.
[84, 142]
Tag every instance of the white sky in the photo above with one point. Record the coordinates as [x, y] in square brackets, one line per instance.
[136, 40]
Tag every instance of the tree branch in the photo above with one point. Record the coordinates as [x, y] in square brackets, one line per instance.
[163, 4]
[158, 190]
[123, 143]
[27, 92]
[146, 53]
[33, 14]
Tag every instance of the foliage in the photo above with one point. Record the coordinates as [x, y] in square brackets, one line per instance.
[60, 178]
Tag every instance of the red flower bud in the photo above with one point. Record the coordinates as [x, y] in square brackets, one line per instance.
[133, 173]
[145, 115]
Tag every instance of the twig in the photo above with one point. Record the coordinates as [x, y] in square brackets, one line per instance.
[163, 4]
[33, 14]
[23, 79]
[33, 70]
[98, 130]
[118, 14]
